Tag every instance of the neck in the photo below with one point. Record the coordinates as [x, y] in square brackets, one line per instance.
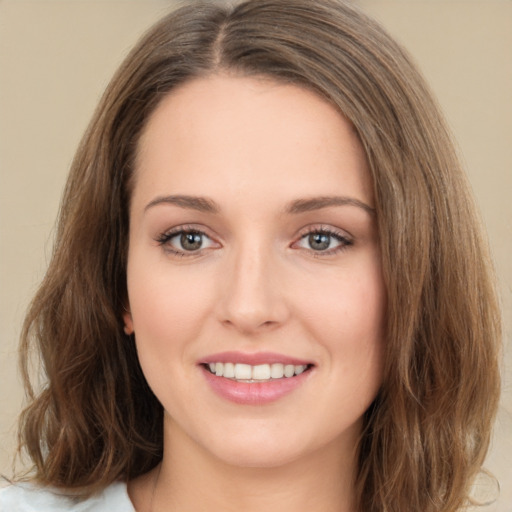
[190, 478]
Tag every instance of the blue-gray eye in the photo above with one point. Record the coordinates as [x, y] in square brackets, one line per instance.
[191, 241]
[319, 241]
[323, 241]
[181, 241]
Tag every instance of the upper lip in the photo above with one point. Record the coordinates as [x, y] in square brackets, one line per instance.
[253, 359]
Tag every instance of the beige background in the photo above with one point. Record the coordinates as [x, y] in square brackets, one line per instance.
[57, 56]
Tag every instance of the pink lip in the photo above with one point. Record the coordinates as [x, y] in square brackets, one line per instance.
[253, 393]
[253, 359]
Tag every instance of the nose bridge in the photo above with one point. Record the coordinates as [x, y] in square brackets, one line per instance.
[252, 297]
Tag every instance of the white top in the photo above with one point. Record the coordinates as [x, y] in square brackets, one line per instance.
[24, 497]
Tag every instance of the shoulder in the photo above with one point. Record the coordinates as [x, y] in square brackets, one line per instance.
[25, 497]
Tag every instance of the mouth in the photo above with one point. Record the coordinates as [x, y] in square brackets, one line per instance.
[246, 373]
[255, 379]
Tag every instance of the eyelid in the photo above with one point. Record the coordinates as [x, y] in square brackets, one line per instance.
[165, 237]
[345, 239]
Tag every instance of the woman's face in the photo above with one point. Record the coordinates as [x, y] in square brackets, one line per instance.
[254, 274]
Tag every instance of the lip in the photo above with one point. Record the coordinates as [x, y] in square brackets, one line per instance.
[254, 393]
[253, 359]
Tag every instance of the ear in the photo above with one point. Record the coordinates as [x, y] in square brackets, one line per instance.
[128, 321]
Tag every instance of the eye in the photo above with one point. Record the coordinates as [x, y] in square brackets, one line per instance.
[185, 241]
[324, 241]
[192, 241]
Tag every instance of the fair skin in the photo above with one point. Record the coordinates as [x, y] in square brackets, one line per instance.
[253, 241]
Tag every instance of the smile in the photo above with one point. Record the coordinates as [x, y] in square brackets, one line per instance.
[258, 383]
[258, 373]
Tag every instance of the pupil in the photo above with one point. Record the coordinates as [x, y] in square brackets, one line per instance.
[191, 241]
[319, 241]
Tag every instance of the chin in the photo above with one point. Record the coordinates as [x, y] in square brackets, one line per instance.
[257, 450]
[263, 458]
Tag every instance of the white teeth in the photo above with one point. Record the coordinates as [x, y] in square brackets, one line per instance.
[289, 370]
[243, 371]
[229, 370]
[277, 371]
[299, 369]
[259, 372]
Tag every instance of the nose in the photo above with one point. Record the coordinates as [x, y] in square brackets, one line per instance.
[252, 296]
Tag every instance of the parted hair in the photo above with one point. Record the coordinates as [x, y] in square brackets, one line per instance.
[94, 419]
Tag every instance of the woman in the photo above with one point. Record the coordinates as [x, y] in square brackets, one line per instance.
[268, 288]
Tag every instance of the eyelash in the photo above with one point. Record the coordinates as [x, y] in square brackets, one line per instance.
[164, 238]
[344, 242]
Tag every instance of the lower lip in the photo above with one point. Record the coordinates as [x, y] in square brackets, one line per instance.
[254, 393]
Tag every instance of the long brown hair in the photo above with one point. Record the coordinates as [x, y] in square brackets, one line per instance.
[95, 420]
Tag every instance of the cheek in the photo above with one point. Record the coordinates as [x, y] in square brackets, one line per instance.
[167, 306]
[347, 317]
[349, 307]
[168, 312]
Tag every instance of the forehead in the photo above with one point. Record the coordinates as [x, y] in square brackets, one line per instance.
[236, 130]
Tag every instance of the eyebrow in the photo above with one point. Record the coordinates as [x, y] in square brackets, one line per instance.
[317, 203]
[206, 205]
[201, 204]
